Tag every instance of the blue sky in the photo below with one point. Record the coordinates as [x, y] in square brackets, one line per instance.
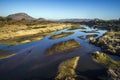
[62, 9]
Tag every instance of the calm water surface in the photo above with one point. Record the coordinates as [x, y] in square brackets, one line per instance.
[31, 62]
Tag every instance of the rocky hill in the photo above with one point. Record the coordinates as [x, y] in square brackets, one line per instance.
[19, 16]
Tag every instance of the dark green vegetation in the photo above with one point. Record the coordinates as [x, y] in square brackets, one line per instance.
[66, 69]
[112, 65]
[61, 35]
[63, 47]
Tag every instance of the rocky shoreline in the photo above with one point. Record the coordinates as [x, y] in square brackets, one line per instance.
[109, 42]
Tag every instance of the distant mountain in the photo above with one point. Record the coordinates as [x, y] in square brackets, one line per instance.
[19, 16]
[41, 19]
[74, 20]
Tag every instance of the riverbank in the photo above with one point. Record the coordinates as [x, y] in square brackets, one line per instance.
[104, 24]
[21, 34]
[61, 35]
[46, 66]
[109, 42]
[113, 66]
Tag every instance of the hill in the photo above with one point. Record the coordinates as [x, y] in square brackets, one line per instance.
[20, 16]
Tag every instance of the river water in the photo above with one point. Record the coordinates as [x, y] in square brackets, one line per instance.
[31, 62]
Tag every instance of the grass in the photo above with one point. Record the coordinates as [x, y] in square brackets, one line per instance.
[66, 69]
[76, 26]
[24, 39]
[38, 26]
[91, 36]
[110, 42]
[61, 35]
[63, 47]
[21, 34]
[106, 60]
[112, 65]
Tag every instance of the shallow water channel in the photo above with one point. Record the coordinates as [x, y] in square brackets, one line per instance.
[31, 62]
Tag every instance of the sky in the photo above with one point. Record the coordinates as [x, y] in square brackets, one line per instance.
[63, 9]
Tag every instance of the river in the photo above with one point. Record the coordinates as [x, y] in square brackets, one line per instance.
[31, 62]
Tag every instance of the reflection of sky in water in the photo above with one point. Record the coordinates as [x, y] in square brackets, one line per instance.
[47, 42]
[32, 58]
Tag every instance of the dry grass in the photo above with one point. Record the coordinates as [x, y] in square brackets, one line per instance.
[67, 68]
[91, 36]
[112, 65]
[61, 35]
[76, 26]
[24, 39]
[13, 35]
[110, 42]
[63, 47]
[106, 60]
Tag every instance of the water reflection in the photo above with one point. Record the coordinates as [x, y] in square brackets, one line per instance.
[30, 61]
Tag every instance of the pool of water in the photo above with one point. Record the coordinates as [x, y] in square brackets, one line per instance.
[31, 62]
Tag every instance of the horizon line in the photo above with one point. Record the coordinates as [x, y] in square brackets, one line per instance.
[61, 18]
